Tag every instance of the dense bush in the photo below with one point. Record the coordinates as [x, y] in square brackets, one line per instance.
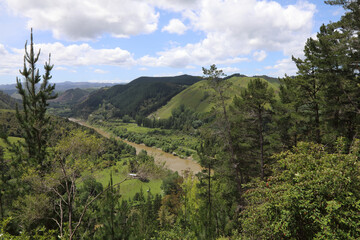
[311, 195]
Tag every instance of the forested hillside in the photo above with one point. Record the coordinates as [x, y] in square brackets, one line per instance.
[71, 96]
[7, 102]
[141, 96]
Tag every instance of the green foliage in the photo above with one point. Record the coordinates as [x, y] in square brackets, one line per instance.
[126, 119]
[181, 118]
[254, 109]
[5, 185]
[33, 120]
[169, 140]
[171, 184]
[9, 123]
[326, 90]
[40, 233]
[311, 195]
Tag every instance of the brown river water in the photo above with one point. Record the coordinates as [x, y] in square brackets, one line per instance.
[172, 162]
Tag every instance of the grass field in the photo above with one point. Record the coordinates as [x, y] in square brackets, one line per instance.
[130, 187]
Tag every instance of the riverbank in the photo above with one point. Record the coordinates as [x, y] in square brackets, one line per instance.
[172, 162]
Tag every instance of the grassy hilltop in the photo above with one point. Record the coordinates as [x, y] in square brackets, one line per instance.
[198, 96]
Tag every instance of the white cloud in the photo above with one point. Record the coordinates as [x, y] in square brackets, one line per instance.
[230, 70]
[10, 62]
[199, 54]
[282, 67]
[176, 5]
[61, 56]
[100, 71]
[84, 54]
[60, 68]
[259, 55]
[175, 26]
[236, 28]
[88, 19]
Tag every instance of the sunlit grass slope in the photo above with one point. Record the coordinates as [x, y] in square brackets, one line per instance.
[198, 97]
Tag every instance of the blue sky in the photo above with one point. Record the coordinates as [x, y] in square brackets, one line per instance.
[118, 41]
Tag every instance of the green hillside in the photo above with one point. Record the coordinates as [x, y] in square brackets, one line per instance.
[141, 96]
[198, 96]
[71, 96]
[7, 102]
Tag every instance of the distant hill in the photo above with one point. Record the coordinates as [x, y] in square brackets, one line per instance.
[71, 96]
[60, 87]
[141, 96]
[7, 102]
[198, 96]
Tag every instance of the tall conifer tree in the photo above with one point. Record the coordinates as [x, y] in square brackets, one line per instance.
[35, 95]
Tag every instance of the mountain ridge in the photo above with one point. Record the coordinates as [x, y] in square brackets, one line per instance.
[141, 96]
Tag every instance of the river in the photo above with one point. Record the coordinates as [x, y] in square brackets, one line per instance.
[172, 162]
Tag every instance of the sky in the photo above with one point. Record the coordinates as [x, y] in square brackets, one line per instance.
[120, 40]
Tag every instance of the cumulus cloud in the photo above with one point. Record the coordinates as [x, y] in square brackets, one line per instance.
[88, 19]
[203, 53]
[84, 54]
[10, 62]
[230, 70]
[175, 26]
[61, 55]
[259, 55]
[235, 29]
[176, 5]
[282, 67]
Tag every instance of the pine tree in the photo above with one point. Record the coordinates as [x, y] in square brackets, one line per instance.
[288, 120]
[218, 83]
[35, 95]
[254, 105]
[328, 79]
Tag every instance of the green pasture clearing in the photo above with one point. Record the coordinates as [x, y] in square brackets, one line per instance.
[130, 187]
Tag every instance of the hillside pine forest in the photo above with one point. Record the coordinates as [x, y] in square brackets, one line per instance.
[271, 158]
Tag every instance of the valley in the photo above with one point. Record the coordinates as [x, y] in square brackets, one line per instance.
[210, 157]
[171, 162]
